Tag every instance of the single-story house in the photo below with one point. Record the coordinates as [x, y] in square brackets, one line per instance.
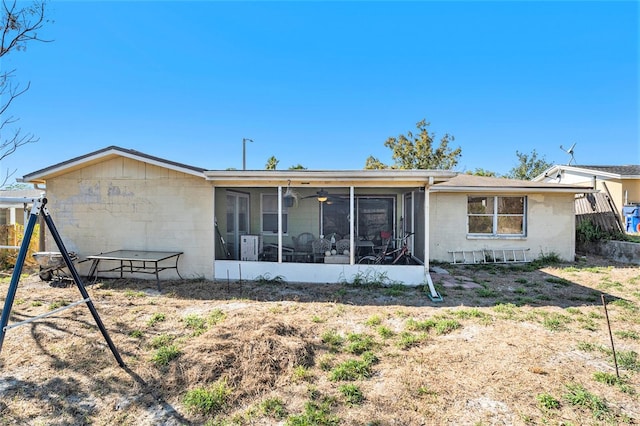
[620, 183]
[232, 224]
[15, 204]
[15, 207]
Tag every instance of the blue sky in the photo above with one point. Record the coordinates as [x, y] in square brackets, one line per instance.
[324, 84]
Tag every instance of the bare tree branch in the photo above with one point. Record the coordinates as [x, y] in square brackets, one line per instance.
[18, 26]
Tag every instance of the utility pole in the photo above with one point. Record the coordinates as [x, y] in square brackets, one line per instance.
[244, 152]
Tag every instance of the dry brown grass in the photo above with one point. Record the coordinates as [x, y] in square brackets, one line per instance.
[503, 340]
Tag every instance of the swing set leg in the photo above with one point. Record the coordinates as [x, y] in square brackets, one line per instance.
[39, 207]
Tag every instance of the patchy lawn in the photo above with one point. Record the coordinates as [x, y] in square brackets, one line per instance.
[510, 345]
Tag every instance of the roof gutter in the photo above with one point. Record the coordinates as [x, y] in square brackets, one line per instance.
[514, 189]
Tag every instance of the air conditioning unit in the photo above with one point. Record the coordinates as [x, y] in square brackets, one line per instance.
[249, 247]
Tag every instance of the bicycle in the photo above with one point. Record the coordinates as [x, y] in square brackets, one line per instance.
[400, 255]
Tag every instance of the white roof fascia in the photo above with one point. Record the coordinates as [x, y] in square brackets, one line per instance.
[327, 178]
[589, 172]
[16, 202]
[581, 171]
[551, 171]
[104, 154]
[514, 189]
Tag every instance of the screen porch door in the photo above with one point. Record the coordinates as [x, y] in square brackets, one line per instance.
[237, 221]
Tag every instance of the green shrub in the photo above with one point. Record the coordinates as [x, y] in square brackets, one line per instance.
[215, 317]
[373, 321]
[613, 380]
[407, 340]
[195, 323]
[486, 292]
[273, 408]
[358, 343]
[469, 313]
[385, 332]
[631, 335]
[332, 339]
[547, 401]
[58, 304]
[555, 322]
[425, 325]
[161, 340]
[607, 378]
[578, 395]
[137, 334]
[354, 369]
[628, 360]
[156, 318]
[301, 373]
[446, 326]
[315, 414]
[208, 401]
[165, 354]
[352, 394]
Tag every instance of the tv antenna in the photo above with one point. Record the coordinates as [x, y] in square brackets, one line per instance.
[570, 151]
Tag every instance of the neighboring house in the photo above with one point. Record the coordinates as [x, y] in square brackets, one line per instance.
[15, 205]
[621, 184]
[235, 224]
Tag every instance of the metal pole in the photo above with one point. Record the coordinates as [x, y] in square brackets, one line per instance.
[244, 152]
[613, 348]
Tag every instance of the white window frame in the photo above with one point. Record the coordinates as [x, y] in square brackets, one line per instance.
[495, 215]
[285, 215]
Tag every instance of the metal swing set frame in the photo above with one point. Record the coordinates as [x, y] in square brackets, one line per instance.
[39, 210]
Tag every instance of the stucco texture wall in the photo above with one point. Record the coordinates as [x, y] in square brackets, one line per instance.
[127, 204]
[550, 227]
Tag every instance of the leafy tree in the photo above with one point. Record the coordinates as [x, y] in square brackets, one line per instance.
[18, 26]
[272, 163]
[417, 152]
[529, 166]
[298, 167]
[482, 172]
[373, 163]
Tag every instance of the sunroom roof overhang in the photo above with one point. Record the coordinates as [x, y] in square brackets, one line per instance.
[328, 179]
[516, 189]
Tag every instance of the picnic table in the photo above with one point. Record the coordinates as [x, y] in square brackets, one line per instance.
[135, 261]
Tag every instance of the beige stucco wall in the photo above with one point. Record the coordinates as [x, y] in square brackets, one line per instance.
[632, 189]
[127, 204]
[550, 227]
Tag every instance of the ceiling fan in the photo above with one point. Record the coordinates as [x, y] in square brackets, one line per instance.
[323, 196]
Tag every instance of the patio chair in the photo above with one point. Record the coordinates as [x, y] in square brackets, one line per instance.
[342, 245]
[319, 247]
[302, 249]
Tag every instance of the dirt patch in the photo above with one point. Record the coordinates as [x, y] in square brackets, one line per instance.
[504, 343]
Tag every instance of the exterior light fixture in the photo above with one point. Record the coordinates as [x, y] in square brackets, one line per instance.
[322, 196]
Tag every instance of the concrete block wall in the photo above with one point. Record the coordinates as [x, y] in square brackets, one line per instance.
[550, 227]
[127, 204]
